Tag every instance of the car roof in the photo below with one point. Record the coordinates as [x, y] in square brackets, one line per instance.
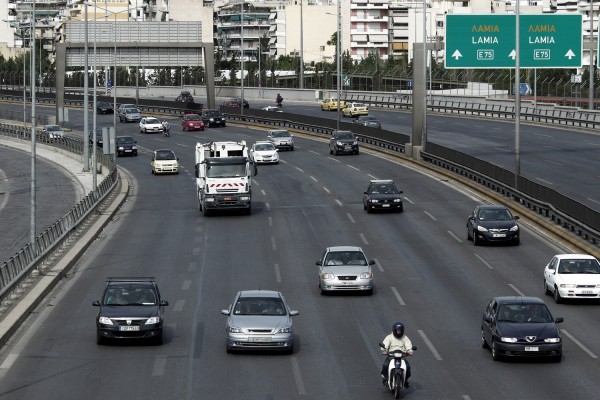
[344, 248]
[492, 207]
[575, 257]
[518, 300]
[382, 181]
[263, 142]
[259, 293]
[129, 279]
[278, 130]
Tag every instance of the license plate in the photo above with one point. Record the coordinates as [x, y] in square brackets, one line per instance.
[127, 151]
[386, 205]
[532, 348]
[499, 235]
[129, 328]
[228, 199]
[261, 339]
[587, 292]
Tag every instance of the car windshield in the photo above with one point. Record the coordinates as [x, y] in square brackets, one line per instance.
[152, 121]
[584, 266]
[280, 134]
[194, 117]
[213, 113]
[369, 118]
[125, 140]
[495, 215]
[345, 135]
[165, 155]
[524, 313]
[128, 295]
[345, 258]
[131, 110]
[226, 170]
[53, 128]
[384, 189]
[264, 147]
[259, 306]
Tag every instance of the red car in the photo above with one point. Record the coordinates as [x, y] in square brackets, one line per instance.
[192, 122]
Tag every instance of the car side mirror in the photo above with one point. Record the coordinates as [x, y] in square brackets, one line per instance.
[371, 262]
[487, 319]
[96, 303]
[294, 313]
[516, 217]
[225, 312]
[319, 263]
[164, 303]
[401, 191]
[559, 320]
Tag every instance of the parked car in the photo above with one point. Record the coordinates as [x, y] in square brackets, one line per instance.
[259, 320]
[264, 152]
[192, 122]
[164, 162]
[131, 308]
[343, 142]
[572, 277]
[343, 268]
[126, 145]
[131, 114]
[518, 326]
[492, 223]
[212, 118]
[185, 97]
[104, 107]
[382, 194]
[367, 120]
[52, 132]
[331, 104]
[151, 125]
[355, 109]
[281, 139]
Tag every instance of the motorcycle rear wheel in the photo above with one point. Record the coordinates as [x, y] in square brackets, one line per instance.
[397, 384]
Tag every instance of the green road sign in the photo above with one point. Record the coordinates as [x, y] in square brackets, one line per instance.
[488, 41]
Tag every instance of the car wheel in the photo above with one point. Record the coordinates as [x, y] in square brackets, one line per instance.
[205, 211]
[292, 148]
[158, 340]
[546, 289]
[475, 240]
[152, 171]
[335, 152]
[483, 342]
[557, 297]
[495, 355]
[356, 152]
[369, 292]
[100, 340]
[401, 208]
[330, 151]
[516, 242]
[557, 359]
[469, 233]
[369, 209]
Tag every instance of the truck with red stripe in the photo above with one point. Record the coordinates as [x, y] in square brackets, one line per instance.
[224, 174]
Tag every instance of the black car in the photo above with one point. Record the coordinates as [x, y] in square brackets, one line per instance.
[131, 308]
[185, 97]
[239, 100]
[382, 194]
[367, 120]
[104, 107]
[518, 326]
[212, 118]
[343, 142]
[492, 223]
[99, 137]
[125, 145]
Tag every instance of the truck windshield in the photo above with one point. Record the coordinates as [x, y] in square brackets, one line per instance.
[226, 171]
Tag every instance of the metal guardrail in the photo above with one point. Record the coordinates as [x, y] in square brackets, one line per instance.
[30, 257]
[578, 224]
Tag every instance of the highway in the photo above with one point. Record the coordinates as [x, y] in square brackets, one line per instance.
[426, 275]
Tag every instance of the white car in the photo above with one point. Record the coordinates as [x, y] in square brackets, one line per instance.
[150, 125]
[53, 132]
[264, 153]
[164, 162]
[343, 268]
[272, 108]
[572, 276]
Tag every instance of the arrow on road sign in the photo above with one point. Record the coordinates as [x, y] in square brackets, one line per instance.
[457, 55]
[513, 54]
[570, 54]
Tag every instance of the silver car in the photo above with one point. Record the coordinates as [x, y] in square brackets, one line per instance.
[259, 320]
[130, 115]
[345, 268]
[281, 138]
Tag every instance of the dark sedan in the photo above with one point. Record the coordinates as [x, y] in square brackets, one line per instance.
[212, 118]
[126, 146]
[104, 107]
[367, 120]
[383, 195]
[516, 326]
[343, 142]
[491, 223]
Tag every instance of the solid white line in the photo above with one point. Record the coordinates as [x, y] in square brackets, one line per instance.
[435, 353]
[325, 189]
[9, 361]
[501, 149]
[159, 366]
[179, 305]
[186, 284]
[513, 287]
[552, 148]
[363, 238]
[594, 200]
[298, 376]
[553, 162]
[313, 178]
[541, 134]
[378, 265]
[430, 216]
[454, 236]
[350, 218]
[273, 243]
[578, 343]
[300, 169]
[409, 200]
[277, 274]
[483, 261]
[339, 203]
[353, 167]
[545, 181]
[398, 297]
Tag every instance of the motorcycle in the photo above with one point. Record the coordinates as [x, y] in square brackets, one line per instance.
[396, 370]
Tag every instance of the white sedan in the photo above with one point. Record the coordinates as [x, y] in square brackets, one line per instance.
[264, 153]
[164, 162]
[150, 125]
[572, 276]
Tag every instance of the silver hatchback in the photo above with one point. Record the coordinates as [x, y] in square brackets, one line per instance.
[345, 268]
[281, 138]
[259, 320]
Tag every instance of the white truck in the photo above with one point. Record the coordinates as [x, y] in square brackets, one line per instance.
[224, 176]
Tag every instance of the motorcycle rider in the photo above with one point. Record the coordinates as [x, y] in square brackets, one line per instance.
[279, 100]
[396, 340]
[166, 127]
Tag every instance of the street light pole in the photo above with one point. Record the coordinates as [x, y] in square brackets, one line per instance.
[302, 45]
[591, 94]
[339, 60]
[86, 88]
[33, 132]
[242, 58]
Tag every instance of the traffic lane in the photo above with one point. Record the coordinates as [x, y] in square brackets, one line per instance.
[56, 193]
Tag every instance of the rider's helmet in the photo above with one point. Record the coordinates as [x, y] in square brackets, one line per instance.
[398, 330]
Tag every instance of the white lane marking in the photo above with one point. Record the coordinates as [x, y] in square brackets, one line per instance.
[397, 295]
[371, 176]
[313, 178]
[594, 200]
[466, 397]
[263, 192]
[350, 218]
[578, 343]
[273, 243]
[513, 287]
[363, 238]
[277, 273]
[254, 181]
[498, 137]
[6, 194]
[454, 236]
[333, 159]
[353, 167]
[339, 203]
[378, 265]
[552, 148]
[545, 181]
[483, 261]
[299, 169]
[270, 220]
[594, 144]
[409, 200]
[179, 305]
[325, 189]
[186, 284]
[315, 152]
[282, 161]
[428, 343]
[430, 216]
[553, 162]
[9, 361]
[196, 251]
[298, 376]
[192, 266]
[160, 364]
[268, 206]
[502, 149]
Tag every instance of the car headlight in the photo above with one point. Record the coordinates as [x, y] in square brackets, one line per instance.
[374, 200]
[398, 200]
[568, 285]
[121, 148]
[481, 228]
[134, 148]
[209, 199]
[508, 339]
[212, 120]
[258, 156]
[284, 330]
[514, 228]
[339, 143]
[233, 329]
[552, 340]
[328, 275]
[244, 198]
[153, 320]
[366, 275]
[354, 143]
[105, 321]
